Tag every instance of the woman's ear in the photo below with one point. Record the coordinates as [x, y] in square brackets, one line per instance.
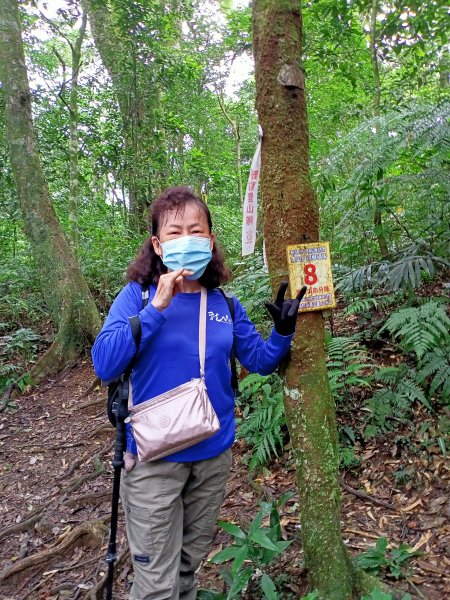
[212, 238]
[157, 246]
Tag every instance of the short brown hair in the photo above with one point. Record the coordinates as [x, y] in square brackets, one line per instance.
[148, 266]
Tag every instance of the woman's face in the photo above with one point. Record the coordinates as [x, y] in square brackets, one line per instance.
[191, 221]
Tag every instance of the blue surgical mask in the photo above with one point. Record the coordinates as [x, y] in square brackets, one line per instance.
[187, 252]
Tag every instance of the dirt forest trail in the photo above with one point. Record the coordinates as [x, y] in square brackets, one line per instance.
[56, 480]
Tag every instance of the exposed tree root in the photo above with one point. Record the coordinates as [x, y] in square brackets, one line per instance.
[101, 428]
[17, 527]
[366, 584]
[87, 498]
[77, 483]
[63, 352]
[7, 396]
[96, 383]
[365, 496]
[93, 402]
[96, 593]
[86, 456]
[95, 528]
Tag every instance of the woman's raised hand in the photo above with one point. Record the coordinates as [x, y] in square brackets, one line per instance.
[168, 286]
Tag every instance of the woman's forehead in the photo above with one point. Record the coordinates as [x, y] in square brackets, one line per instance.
[190, 213]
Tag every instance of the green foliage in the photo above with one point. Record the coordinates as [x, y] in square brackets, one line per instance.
[252, 286]
[262, 417]
[415, 263]
[347, 361]
[394, 401]
[393, 561]
[348, 458]
[424, 332]
[259, 546]
[435, 365]
[379, 595]
[420, 330]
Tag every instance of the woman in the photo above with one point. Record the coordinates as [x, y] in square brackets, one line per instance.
[171, 505]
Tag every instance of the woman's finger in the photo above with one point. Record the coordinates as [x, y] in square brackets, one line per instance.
[281, 293]
[301, 293]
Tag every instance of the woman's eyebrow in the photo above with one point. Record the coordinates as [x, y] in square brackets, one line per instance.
[176, 225]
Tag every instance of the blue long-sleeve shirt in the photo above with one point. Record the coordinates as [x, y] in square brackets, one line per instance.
[168, 355]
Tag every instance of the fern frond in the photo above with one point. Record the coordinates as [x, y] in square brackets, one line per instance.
[420, 329]
[412, 392]
[360, 305]
[389, 375]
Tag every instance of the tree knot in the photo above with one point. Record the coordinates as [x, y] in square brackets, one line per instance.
[291, 76]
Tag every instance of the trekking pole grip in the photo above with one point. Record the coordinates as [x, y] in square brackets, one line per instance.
[119, 446]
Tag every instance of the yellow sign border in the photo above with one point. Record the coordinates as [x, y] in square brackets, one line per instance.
[329, 275]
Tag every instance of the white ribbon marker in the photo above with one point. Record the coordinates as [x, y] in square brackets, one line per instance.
[251, 203]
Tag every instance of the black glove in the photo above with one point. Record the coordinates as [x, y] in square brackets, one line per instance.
[284, 312]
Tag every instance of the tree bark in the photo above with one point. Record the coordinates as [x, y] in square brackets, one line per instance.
[64, 289]
[377, 217]
[73, 107]
[138, 99]
[291, 216]
[237, 139]
[374, 57]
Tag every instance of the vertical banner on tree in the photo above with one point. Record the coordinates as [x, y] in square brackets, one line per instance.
[310, 265]
[251, 205]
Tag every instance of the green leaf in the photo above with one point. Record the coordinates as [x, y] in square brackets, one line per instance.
[232, 529]
[226, 554]
[242, 578]
[259, 537]
[239, 559]
[255, 524]
[210, 595]
[268, 588]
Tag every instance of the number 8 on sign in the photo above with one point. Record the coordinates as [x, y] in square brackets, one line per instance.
[310, 274]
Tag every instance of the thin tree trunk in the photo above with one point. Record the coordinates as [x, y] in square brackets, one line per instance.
[63, 286]
[237, 139]
[291, 216]
[374, 57]
[117, 49]
[377, 217]
[73, 107]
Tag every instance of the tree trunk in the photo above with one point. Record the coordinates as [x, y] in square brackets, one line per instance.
[377, 217]
[291, 216]
[63, 286]
[73, 107]
[237, 139]
[137, 98]
[374, 57]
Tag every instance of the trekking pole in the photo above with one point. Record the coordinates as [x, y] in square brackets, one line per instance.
[117, 464]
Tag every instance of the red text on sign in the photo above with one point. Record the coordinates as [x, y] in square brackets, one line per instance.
[310, 274]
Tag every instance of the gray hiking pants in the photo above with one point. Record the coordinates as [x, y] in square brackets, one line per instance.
[171, 509]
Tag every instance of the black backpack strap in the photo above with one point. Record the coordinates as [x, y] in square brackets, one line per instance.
[234, 377]
[136, 330]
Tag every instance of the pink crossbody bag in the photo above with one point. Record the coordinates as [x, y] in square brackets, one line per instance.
[179, 418]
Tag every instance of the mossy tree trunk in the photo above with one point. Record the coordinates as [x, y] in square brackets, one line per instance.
[73, 120]
[291, 216]
[378, 211]
[138, 97]
[64, 289]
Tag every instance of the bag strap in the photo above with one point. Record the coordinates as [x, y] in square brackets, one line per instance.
[136, 331]
[234, 376]
[202, 331]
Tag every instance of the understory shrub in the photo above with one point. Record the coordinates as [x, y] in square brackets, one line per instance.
[262, 417]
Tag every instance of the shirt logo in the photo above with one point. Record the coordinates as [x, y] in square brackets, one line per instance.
[216, 317]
